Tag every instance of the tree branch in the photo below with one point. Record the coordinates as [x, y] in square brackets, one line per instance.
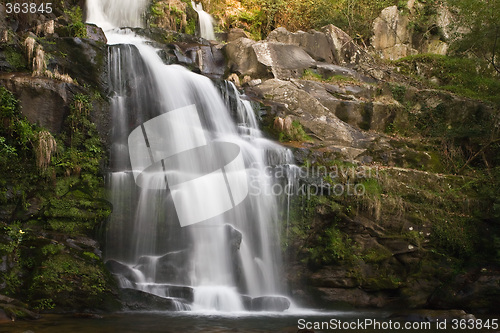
[494, 50]
[477, 154]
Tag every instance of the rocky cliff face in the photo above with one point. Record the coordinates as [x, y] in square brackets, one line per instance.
[416, 28]
[53, 88]
[376, 223]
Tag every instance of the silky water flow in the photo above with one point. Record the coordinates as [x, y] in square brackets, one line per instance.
[196, 210]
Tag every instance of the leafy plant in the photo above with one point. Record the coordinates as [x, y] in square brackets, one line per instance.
[482, 38]
[76, 26]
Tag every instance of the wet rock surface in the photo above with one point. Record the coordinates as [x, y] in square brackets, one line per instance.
[139, 300]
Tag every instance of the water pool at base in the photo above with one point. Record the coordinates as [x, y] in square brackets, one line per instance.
[175, 322]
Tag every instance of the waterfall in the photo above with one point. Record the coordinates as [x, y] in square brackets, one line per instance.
[194, 208]
[206, 22]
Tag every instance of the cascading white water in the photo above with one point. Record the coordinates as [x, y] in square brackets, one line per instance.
[116, 13]
[192, 196]
[206, 22]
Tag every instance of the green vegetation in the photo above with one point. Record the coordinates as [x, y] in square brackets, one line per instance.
[177, 16]
[295, 133]
[483, 31]
[76, 26]
[17, 135]
[49, 193]
[330, 247]
[15, 59]
[398, 92]
[444, 217]
[313, 76]
[467, 77]
[260, 17]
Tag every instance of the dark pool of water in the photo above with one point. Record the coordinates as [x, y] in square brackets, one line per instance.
[191, 322]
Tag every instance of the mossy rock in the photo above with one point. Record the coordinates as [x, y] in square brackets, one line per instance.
[73, 282]
[80, 58]
[12, 59]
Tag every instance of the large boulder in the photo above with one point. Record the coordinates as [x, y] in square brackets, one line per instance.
[331, 45]
[315, 43]
[343, 47]
[43, 101]
[391, 36]
[174, 267]
[202, 56]
[121, 269]
[95, 33]
[139, 300]
[270, 303]
[318, 120]
[285, 55]
[266, 59]
[394, 35]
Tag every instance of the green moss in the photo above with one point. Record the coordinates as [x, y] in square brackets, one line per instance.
[371, 186]
[376, 255]
[457, 236]
[296, 133]
[382, 282]
[52, 249]
[65, 280]
[331, 246]
[312, 75]
[16, 59]
[398, 92]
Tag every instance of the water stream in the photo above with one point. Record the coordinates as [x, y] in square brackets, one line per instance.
[191, 183]
[205, 22]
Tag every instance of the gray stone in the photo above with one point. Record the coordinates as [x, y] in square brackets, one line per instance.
[314, 117]
[43, 101]
[332, 277]
[267, 59]
[398, 246]
[139, 300]
[234, 236]
[242, 59]
[328, 70]
[173, 268]
[315, 43]
[345, 50]
[236, 33]
[391, 36]
[270, 303]
[253, 83]
[95, 33]
[119, 268]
